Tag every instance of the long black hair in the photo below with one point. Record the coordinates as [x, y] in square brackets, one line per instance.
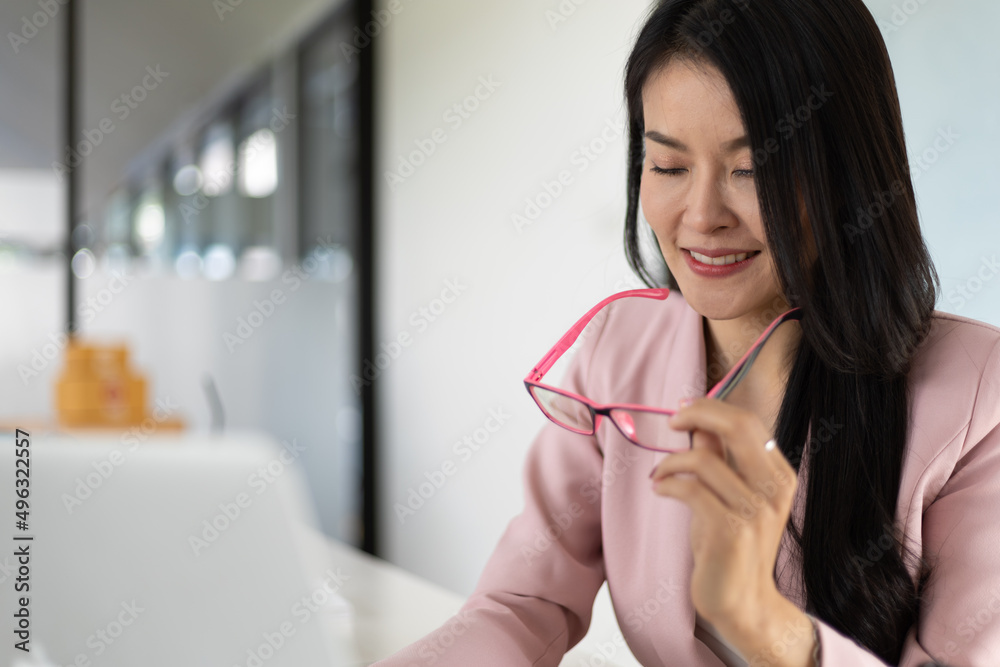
[816, 93]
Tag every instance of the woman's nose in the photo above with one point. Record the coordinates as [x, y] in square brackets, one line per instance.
[706, 208]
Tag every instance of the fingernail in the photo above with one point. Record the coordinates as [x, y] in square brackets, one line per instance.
[686, 402]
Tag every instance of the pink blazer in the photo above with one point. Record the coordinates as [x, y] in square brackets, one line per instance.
[590, 513]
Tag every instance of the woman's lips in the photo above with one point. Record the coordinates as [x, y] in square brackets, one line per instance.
[721, 266]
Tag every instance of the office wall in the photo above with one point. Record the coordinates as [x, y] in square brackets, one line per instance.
[553, 107]
[451, 221]
[947, 66]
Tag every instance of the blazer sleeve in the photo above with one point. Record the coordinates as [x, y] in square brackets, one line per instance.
[534, 599]
[959, 621]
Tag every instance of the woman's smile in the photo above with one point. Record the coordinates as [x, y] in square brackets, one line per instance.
[718, 263]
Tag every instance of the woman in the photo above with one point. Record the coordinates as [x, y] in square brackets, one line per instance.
[766, 150]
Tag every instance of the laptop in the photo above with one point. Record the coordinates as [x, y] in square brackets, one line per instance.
[168, 551]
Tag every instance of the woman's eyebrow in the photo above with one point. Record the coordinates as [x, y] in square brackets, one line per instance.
[670, 142]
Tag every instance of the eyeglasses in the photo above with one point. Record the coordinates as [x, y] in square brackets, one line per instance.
[641, 425]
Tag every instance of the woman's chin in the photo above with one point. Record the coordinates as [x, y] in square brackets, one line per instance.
[714, 305]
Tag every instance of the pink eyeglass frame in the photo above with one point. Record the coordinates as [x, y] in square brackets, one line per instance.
[597, 411]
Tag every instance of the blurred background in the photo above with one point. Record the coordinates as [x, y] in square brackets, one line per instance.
[355, 227]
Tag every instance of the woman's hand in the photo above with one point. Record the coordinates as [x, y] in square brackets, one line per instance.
[740, 510]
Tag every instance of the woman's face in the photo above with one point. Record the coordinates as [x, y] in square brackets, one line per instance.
[698, 194]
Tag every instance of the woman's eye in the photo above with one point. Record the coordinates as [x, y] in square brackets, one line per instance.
[668, 172]
[740, 173]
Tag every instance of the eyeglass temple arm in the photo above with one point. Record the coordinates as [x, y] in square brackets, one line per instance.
[567, 340]
[738, 372]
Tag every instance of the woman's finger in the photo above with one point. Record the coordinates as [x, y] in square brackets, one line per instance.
[692, 492]
[708, 469]
[743, 438]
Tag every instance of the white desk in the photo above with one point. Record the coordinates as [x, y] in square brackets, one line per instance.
[394, 608]
[389, 607]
